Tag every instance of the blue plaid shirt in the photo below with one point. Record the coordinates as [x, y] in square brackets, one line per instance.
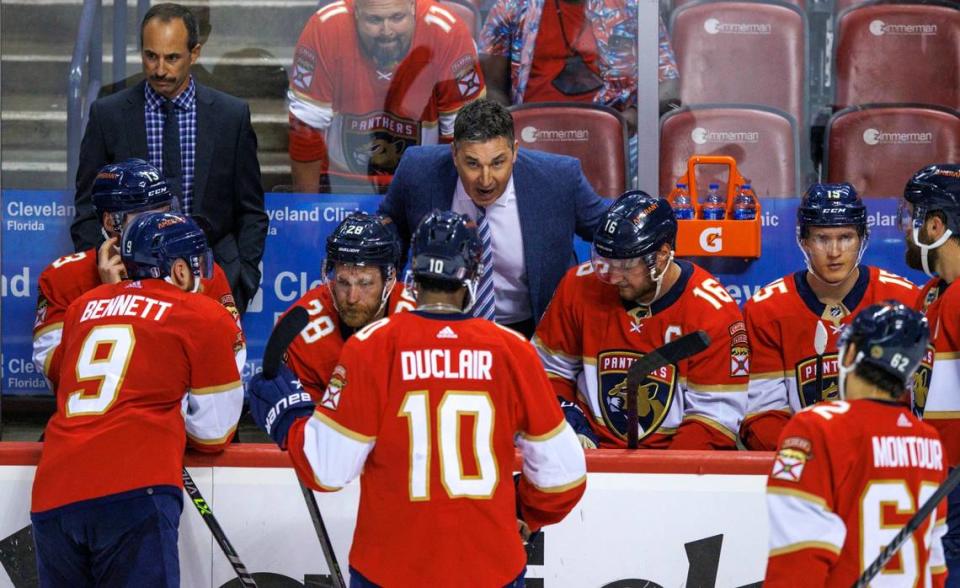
[186, 104]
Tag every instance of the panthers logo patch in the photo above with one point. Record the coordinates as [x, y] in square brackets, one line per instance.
[921, 382]
[654, 398]
[806, 373]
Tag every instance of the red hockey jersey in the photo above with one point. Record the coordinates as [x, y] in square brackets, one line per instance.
[847, 477]
[369, 117]
[313, 355]
[782, 320]
[939, 403]
[588, 338]
[142, 367]
[433, 429]
[69, 277]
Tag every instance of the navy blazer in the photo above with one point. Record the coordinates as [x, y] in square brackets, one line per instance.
[227, 193]
[554, 201]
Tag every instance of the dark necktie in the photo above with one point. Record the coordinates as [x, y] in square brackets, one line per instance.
[171, 149]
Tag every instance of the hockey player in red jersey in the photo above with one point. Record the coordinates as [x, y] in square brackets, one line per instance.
[371, 78]
[429, 405]
[849, 473]
[121, 191]
[145, 366]
[930, 216]
[794, 322]
[359, 286]
[632, 298]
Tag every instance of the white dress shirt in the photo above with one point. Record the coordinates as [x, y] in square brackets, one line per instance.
[511, 293]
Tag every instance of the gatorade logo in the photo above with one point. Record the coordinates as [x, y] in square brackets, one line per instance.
[711, 239]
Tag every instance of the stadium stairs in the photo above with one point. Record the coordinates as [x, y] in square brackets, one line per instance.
[249, 49]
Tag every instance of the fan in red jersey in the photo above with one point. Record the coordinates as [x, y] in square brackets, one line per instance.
[794, 322]
[145, 366]
[371, 78]
[121, 191]
[429, 406]
[930, 217]
[850, 473]
[631, 299]
[359, 286]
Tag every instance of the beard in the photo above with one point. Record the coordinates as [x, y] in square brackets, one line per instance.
[913, 254]
[388, 55]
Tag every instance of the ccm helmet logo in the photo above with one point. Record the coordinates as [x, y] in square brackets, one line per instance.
[711, 239]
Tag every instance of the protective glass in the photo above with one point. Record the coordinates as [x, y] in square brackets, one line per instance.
[826, 243]
[908, 217]
[610, 271]
[202, 264]
[576, 77]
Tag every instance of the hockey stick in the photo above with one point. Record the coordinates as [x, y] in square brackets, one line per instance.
[672, 352]
[915, 521]
[246, 579]
[820, 346]
[285, 331]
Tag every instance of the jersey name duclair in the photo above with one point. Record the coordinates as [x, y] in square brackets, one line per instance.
[465, 364]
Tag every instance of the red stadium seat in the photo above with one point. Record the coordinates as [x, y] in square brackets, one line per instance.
[877, 149]
[801, 4]
[742, 52]
[596, 135]
[467, 12]
[887, 53]
[762, 140]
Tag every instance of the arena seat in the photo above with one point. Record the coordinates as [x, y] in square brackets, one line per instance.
[763, 141]
[742, 52]
[886, 53]
[801, 4]
[467, 12]
[878, 148]
[596, 135]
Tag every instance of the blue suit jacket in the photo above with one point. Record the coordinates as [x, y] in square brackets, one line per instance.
[554, 201]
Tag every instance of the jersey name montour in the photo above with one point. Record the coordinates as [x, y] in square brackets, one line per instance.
[470, 364]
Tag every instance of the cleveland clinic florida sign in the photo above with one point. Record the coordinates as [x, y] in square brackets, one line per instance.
[36, 230]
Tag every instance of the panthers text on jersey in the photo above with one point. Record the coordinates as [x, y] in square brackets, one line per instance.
[430, 407]
[70, 276]
[939, 404]
[313, 355]
[347, 113]
[847, 477]
[782, 319]
[588, 338]
[143, 367]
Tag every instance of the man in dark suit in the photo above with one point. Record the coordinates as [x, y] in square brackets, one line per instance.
[202, 139]
[529, 204]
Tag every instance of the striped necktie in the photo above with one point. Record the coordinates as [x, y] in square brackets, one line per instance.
[485, 306]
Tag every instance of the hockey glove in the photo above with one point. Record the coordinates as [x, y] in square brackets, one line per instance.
[276, 403]
[579, 423]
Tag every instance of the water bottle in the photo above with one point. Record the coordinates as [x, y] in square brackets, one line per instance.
[714, 205]
[745, 203]
[682, 207]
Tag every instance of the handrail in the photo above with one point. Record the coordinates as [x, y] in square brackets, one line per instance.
[83, 89]
[88, 50]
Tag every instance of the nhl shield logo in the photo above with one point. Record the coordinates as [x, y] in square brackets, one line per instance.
[807, 380]
[921, 382]
[654, 398]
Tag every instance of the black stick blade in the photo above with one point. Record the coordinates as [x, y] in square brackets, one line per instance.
[284, 332]
[672, 352]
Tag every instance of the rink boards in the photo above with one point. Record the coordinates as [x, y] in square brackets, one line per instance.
[669, 518]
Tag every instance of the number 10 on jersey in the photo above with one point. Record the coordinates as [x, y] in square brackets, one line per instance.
[450, 415]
